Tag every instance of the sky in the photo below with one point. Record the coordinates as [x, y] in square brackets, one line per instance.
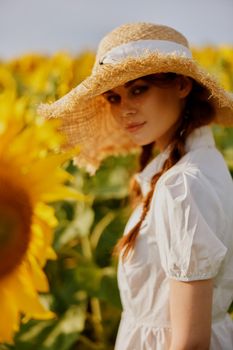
[47, 26]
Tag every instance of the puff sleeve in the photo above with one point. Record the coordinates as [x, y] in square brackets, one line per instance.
[189, 222]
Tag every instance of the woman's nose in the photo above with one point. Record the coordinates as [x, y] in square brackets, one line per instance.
[127, 108]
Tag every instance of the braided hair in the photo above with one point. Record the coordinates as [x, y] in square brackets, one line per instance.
[198, 111]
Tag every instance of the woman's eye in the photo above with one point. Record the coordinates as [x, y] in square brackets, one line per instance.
[113, 99]
[137, 90]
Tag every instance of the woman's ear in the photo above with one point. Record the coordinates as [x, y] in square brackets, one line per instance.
[185, 86]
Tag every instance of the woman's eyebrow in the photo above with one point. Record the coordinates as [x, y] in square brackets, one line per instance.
[127, 84]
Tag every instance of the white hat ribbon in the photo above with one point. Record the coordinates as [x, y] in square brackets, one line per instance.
[138, 47]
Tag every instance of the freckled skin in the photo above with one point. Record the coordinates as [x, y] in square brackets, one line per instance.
[159, 107]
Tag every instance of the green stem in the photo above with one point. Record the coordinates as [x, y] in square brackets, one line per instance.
[95, 303]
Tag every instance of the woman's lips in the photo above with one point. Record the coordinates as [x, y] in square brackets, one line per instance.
[135, 128]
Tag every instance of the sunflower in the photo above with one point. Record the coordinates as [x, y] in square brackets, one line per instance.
[31, 176]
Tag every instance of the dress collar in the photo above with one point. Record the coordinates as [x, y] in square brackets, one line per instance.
[202, 136]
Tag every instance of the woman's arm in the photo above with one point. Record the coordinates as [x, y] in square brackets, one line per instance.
[191, 311]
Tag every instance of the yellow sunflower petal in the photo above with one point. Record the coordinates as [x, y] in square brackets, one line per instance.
[11, 315]
[46, 213]
[38, 277]
[27, 296]
[60, 192]
[43, 238]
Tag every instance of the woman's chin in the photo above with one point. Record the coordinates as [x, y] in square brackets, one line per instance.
[141, 142]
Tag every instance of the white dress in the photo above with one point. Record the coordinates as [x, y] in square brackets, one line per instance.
[187, 235]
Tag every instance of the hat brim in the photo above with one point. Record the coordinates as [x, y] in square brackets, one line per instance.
[86, 115]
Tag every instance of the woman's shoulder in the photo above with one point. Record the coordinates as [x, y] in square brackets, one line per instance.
[203, 181]
[203, 165]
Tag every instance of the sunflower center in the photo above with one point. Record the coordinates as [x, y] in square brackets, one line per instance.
[15, 224]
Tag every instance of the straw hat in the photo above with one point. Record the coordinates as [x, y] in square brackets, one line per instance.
[130, 51]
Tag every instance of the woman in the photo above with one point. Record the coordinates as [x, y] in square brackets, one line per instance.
[175, 270]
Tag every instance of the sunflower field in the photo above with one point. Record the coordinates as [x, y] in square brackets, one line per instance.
[58, 284]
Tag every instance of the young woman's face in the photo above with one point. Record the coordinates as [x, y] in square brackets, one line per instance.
[156, 109]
